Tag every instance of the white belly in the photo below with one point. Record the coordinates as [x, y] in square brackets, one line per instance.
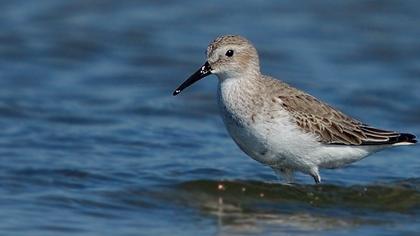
[246, 137]
[275, 143]
[281, 146]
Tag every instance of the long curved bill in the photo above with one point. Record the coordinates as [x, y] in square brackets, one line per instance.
[204, 71]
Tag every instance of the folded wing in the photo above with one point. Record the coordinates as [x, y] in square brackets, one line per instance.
[334, 127]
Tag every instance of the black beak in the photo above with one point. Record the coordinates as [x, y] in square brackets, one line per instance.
[204, 71]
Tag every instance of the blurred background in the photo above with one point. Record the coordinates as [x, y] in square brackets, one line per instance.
[93, 143]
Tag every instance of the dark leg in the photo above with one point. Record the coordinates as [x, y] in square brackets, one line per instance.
[315, 174]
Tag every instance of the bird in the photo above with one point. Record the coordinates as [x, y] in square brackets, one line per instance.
[281, 126]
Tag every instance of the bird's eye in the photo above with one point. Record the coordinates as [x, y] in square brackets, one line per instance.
[229, 53]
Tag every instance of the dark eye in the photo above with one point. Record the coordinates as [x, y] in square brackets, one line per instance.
[229, 53]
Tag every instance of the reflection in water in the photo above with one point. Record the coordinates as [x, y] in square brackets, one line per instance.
[244, 206]
[232, 219]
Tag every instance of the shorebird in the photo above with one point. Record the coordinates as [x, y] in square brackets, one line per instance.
[279, 125]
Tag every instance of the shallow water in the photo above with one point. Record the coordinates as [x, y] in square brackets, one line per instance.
[93, 143]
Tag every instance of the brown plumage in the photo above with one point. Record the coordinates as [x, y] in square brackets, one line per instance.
[330, 125]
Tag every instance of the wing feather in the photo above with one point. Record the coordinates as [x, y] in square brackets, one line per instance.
[330, 125]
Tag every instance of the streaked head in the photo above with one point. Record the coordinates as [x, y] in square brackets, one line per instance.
[229, 56]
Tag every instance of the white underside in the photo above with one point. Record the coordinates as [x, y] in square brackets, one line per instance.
[282, 145]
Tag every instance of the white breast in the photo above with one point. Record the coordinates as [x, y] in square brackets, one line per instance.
[265, 134]
[236, 117]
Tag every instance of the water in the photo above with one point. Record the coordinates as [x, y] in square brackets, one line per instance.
[93, 143]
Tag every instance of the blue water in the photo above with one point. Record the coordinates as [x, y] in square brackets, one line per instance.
[93, 143]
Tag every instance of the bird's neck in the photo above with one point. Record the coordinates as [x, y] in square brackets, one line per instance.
[239, 97]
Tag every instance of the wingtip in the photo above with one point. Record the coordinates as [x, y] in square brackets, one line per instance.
[406, 138]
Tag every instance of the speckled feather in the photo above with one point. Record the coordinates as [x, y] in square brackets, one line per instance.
[330, 125]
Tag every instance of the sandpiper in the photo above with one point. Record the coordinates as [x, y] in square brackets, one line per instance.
[281, 126]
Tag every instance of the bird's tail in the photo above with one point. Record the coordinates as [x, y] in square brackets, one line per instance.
[405, 139]
[384, 137]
